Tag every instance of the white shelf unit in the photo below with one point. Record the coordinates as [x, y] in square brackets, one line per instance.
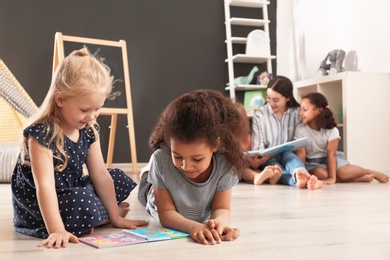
[232, 58]
[365, 119]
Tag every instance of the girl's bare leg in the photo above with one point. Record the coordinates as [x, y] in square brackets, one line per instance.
[364, 178]
[354, 173]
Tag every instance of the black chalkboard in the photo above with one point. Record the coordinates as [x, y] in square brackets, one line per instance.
[114, 55]
[111, 57]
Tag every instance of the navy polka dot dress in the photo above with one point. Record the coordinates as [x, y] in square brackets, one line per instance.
[80, 207]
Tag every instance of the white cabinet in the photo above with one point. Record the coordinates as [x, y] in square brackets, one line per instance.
[232, 58]
[364, 122]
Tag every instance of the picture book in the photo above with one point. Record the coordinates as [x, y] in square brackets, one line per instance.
[112, 240]
[156, 233]
[277, 150]
[253, 100]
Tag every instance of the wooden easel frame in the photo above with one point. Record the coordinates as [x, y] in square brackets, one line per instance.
[59, 54]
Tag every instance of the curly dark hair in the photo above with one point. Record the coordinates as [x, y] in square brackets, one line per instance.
[201, 115]
[284, 86]
[324, 119]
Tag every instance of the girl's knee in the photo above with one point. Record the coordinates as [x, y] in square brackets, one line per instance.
[343, 174]
[320, 173]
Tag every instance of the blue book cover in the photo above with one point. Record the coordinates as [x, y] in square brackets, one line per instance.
[157, 233]
[277, 150]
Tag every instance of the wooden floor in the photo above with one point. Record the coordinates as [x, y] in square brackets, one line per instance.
[342, 221]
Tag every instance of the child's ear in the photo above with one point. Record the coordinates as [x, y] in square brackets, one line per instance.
[58, 98]
[218, 143]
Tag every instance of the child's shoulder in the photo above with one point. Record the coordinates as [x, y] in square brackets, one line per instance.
[36, 130]
[40, 132]
[162, 152]
[302, 129]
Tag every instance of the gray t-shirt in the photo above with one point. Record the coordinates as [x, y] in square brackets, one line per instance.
[318, 140]
[192, 200]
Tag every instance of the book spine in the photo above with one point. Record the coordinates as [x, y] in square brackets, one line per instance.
[128, 231]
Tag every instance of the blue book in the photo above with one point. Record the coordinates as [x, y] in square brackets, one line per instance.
[156, 233]
[277, 150]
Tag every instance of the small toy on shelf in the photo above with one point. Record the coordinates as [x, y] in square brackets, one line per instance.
[336, 58]
[264, 78]
[245, 80]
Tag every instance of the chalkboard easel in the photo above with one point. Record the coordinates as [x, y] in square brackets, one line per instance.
[114, 55]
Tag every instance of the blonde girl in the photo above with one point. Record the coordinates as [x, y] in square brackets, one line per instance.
[52, 198]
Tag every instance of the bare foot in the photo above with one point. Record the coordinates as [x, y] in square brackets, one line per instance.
[263, 176]
[365, 178]
[124, 209]
[314, 183]
[381, 177]
[277, 174]
[89, 232]
[302, 177]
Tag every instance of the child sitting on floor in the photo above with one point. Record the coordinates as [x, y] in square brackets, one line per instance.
[321, 155]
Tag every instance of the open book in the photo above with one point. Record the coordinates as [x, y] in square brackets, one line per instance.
[156, 234]
[132, 236]
[111, 240]
[277, 150]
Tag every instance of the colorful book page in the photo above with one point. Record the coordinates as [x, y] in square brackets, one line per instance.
[156, 234]
[253, 100]
[112, 240]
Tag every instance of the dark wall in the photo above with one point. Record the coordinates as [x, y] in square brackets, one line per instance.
[174, 46]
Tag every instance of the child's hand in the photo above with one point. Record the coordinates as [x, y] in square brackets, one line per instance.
[225, 232]
[206, 235]
[59, 239]
[120, 222]
[255, 162]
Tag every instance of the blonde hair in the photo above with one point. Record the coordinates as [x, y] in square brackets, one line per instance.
[78, 74]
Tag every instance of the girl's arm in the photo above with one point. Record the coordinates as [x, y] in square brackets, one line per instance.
[220, 216]
[331, 161]
[301, 153]
[169, 217]
[105, 190]
[43, 174]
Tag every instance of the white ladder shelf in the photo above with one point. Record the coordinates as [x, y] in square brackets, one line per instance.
[230, 40]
